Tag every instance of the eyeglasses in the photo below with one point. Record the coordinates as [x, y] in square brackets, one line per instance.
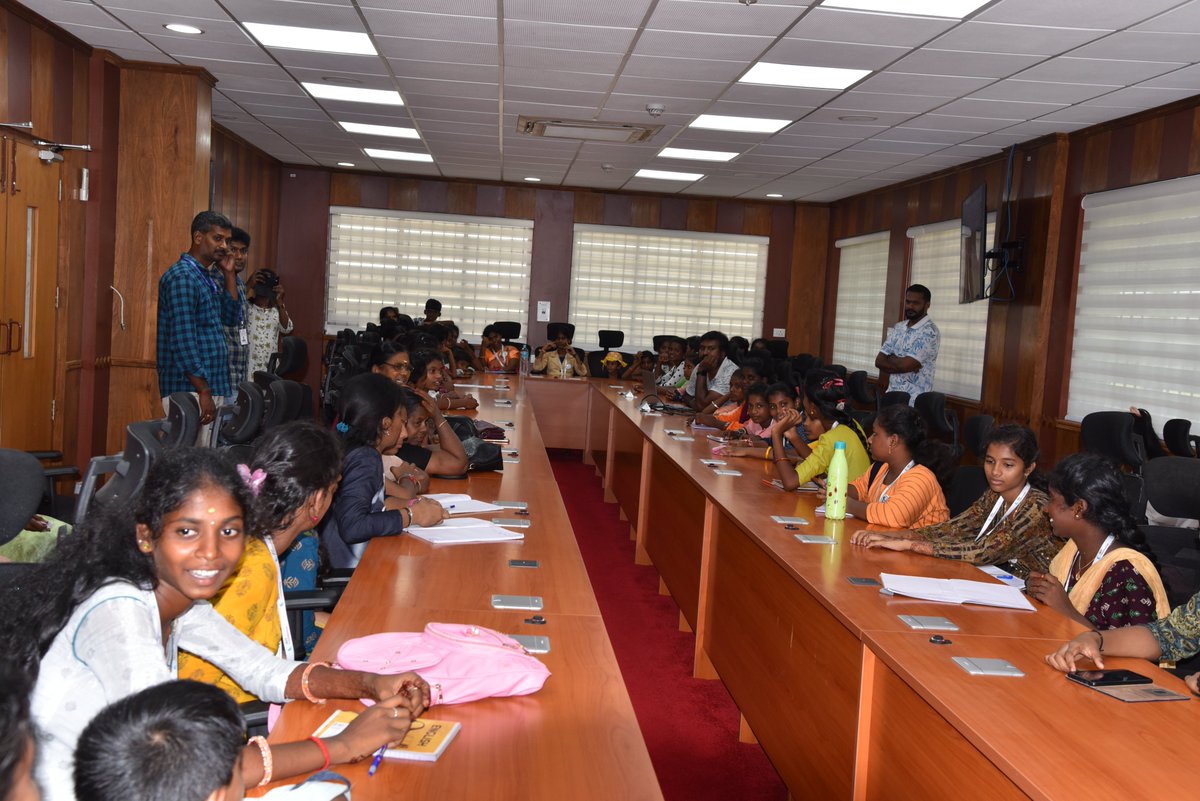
[403, 367]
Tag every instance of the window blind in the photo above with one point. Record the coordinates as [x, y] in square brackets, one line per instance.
[1137, 306]
[646, 282]
[936, 263]
[478, 267]
[862, 280]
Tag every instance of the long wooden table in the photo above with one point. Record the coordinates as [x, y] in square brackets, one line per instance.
[578, 737]
[846, 700]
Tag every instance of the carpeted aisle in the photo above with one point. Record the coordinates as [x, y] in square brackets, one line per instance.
[690, 725]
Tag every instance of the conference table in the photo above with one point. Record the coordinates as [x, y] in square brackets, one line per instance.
[576, 738]
[845, 698]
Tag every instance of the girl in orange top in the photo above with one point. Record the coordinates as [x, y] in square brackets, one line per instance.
[903, 490]
[728, 413]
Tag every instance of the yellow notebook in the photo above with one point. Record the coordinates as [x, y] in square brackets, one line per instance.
[425, 742]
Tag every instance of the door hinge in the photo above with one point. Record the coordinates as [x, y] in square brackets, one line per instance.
[53, 410]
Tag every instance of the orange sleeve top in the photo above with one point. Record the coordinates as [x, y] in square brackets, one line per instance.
[913, 500]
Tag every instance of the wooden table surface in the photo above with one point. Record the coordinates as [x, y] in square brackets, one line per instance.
[576, 738]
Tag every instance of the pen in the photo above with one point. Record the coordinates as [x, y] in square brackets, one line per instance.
[378, 758]
[450, 506]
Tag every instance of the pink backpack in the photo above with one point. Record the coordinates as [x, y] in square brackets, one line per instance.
[461, 662]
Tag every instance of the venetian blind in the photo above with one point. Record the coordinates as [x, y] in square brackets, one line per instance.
[1137, 306]
[858, 323]
[647, 282]
[478, 267]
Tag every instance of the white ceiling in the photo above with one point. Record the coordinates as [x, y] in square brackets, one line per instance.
[941, 92]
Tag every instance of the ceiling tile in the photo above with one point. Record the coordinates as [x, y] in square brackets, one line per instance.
[526, 94]
[1144, 46]
[1041, 91]
[554, 79]
[444, 71]
[145, 55]
[152, 23]
[408, 49]
[925, 135]
[950, 122]
[873, 101]
[435, 27]
[626, 14]
[839, 25]
[986, 37]
[329, 63]
[184, 9]
[907, 83]
[1085, 114]
[1141, 97]
[523, 33]
[1186, 78]
[893, 146]
[1183, 19]
[682, 68]
[998, 109]
[781, 96]
[813, 53]
[544, 58]
[1112, 16]
[1068, 69]
[418, 102]
[185, 48]
[109, 38]
[955, 62]
[336, 17]
[463, 89]
[779, 112]
[829, 114]
[677, 44]
[637, 104]
[693, 17]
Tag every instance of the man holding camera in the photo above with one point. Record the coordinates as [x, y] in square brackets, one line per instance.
[268, 318]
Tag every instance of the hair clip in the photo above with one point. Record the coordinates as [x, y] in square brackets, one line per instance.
[253, 481]
[342, 427]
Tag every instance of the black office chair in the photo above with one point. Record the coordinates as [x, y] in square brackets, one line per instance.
[129, 468]
[1177, 436]
[893, 398]
[975, 428]
[861, 391]
[1171, 485]
[837, 369]
[1114, 434]
[509, 330]
[778, 348]
[966, 486]
[939, 419]
[53, 504]
[609, 340]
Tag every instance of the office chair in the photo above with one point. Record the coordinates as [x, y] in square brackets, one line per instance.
[861, 392]
[1171, 489]
[932, 407]
[1177, 435]
[975, 428]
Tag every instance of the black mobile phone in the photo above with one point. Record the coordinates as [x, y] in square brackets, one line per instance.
[522, 563]
[1108, 678]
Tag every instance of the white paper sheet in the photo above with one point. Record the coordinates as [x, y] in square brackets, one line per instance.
[956, 591]
[463, 530]
[463, 504]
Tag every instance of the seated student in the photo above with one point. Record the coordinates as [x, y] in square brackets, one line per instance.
[175, 741]
[557, 359]
[760, 344]
[16, 737]
[1174, 638]
[391, 360]
[902, 489]
[1007, 526]
[292, 475]
[429, 376]
[738, 346]
[108, 615]
[753, 436]
[389, 314]
[495, 355]
[433, 310]
[826, 422]
[464, 354]
[372, 423]
[614, 365]
[644, 360]
[418, 456]
[710, 379]
[729, 412]
[442, 334]
[781, 398]
[1104, 577]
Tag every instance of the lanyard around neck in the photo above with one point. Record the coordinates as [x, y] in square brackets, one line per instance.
[987, 524]
[1070, 579]
[285, 631]
[888, 488]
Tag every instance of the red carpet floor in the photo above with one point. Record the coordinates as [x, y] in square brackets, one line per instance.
[690, 725]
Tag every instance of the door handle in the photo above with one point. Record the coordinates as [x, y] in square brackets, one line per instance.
[20, 337]
[3, 165]
[7, 340]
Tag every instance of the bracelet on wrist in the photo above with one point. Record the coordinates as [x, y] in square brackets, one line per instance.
[324, 750]
[264, 750]
[304, 686]
[1101, 637]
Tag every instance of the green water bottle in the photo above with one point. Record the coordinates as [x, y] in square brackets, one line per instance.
[835, 484]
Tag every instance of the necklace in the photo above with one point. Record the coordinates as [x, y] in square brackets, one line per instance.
[1078, 569]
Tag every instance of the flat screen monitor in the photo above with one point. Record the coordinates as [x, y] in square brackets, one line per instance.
[972, 284]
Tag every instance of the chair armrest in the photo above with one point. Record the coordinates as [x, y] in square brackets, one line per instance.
[255, 714]
[61, 472]
[306, 600]
[46, 456]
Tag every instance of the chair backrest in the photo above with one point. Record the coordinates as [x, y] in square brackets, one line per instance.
[1172, 485]
[246, 421]
[860, 390]
[837, 369]
[142, 448]
[932, 407]
[183, 420]
[778, 348]
[508, 329]
[966, 486]
[1176, 435]
[865, 418]
[610, 339]
[24, 484]
[1112, 434]
[893, 398]
[553, 330]
[975, 428]
[291, 358]
[283, 401]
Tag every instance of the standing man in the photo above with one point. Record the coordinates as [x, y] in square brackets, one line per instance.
[237, 337]
[197, 297]
[710, 379]
[909, 353]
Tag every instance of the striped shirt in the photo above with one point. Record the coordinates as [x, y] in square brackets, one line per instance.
[193, 310]
[914, 499]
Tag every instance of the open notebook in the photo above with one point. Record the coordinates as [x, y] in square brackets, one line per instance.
[956, 591]
[460, 504]
[463, 530]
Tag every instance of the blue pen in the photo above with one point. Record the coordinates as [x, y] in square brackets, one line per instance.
[378, 758]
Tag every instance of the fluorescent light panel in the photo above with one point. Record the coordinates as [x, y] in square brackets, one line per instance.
[352, 94]
[717, 122]
[667, 175]
[397, 155]
[319, 40]
[951, 9]
[696, 155]
[380, 130]
[768, 74]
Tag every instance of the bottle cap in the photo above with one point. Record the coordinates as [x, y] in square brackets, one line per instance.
[839, 446]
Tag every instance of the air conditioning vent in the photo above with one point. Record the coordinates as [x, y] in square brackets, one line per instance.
[591, 130]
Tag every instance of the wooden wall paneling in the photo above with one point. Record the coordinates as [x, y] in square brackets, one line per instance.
[18, 43]
[489, 200]
[404, 194]
[589, 208]
[810, 254]
[759, 219]
[673, 213]
[520, 202]
[345, 189]
[618, 210]
[777, 223]
[1176, 144]
[730, 217]
[247, 191]
[1147, 147]
[432, 196]
[461, 199]
[645, 212]
[303, 240]
[550, 265]
[702, 215]
[375, 192]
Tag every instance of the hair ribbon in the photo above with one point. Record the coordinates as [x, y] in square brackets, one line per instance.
[343, 428]
[253, 481]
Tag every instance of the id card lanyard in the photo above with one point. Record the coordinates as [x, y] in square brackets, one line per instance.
[987, 524]
[289, 651]
[243, 334]
[883, 498]
[1069, 583]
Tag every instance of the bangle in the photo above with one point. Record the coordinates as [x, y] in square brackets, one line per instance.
[444, 422]
[783, 459]
[409, 477]
[406, 523]
[769, 450]
[1101, 636]
[324, 750]
[304, 688]
[264, 750]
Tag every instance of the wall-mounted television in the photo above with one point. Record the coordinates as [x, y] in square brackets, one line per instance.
[972, 283]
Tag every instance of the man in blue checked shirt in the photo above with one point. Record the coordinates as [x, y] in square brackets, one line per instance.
[909, 354]
[197, 298]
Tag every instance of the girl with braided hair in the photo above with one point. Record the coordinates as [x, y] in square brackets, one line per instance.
[826, 421]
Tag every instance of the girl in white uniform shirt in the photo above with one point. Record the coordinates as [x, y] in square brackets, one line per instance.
[107, 615]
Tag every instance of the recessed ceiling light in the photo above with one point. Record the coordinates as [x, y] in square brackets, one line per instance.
[345, 164]
[533, 180]
[667, 175]
[385, 97]
[774, 194]
[805, 77]
[380, 130]
[178, 27]
[716, 122]
[696, 155]
[398, 155]
[858, 118]
[289, 37]
[953, 9]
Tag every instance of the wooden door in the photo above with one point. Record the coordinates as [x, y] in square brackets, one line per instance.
[28, 297]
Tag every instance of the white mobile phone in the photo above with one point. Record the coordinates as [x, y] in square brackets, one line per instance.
[511, 504]
[511, 522]
[532, 603]
[533, 643]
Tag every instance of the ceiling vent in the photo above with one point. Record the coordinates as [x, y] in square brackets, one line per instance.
[590, 130]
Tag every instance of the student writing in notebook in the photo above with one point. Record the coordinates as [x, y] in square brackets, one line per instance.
[124, 593]
[1104, 577]
[1007, 526]
[826, 421]
[902, 489]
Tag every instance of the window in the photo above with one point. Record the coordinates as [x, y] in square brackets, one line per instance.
[478, 267]
[936, 263]
[862, 281]
[1137, 306]
[647, 283]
